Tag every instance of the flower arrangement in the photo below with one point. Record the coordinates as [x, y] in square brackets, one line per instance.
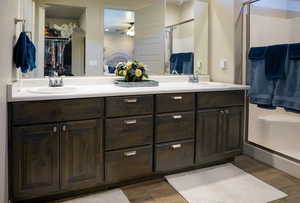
[133, 71]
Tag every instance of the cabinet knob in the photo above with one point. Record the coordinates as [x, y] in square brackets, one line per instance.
[222, 112]
[55, 129]
[176, 146]
[177, 116]
[130, 122]
[177, 98]
[128, 154]
[227, 111]
[130, 100]
[64, 128]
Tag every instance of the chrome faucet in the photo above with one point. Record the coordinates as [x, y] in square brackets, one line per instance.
[194, 78]
[55, 80]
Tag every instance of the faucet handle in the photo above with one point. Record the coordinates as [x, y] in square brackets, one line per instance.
[53, 73]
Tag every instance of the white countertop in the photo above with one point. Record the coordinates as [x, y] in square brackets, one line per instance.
[94, 88]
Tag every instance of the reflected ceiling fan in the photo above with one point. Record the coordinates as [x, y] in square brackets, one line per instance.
[130, 25]
[129, 31]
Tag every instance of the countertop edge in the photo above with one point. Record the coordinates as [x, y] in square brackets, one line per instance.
[12, 99]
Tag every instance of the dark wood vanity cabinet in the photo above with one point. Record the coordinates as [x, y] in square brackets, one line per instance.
[208, 138]
[128, 163]
[81, 154]
[233, 126]
[174, 155]
[35, 161]
[174, 131]
[220, 125]
[72, 145]
[49, 159]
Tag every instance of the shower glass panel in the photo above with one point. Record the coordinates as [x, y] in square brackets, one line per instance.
[179, 39]
[275, 22]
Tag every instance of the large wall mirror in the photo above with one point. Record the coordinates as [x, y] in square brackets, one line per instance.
[90, 37]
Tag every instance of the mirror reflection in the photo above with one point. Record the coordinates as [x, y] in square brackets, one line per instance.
[119, 38]
[64, 41]
[89, 38]
[186, 34]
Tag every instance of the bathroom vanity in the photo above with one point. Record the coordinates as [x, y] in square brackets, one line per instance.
[72, 144]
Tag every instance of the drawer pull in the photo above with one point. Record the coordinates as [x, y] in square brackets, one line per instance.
[130, 122]
[176, 146]
[227, 111]
[55, 129]
[177, 117]
[128, 154]
[130, 100]
[177, 98]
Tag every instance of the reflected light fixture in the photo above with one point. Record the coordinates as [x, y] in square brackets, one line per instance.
[131, 32]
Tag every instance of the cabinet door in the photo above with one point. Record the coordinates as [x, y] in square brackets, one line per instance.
[35, 161]
[81, 154]
[208, 135]
[233, 129]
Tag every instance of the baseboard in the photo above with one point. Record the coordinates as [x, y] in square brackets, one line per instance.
[273, 160]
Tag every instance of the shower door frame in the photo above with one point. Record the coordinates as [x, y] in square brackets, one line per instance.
[246, 46]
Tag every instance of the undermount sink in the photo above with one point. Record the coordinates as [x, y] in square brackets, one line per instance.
[211, 84]
[53, 90]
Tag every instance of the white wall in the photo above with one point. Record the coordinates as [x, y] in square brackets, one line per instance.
[149, 36]
[268, 30]
[183, 35]
[201, 36]
[222, 39]
[116, 42]
[172, 14]
[8, 10]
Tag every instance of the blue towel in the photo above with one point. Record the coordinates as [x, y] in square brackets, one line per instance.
[294, 51]
[111, 69]
[182, 63]
[257, 53]
[287, 91]
[275, 61]
[24, 53]
[261, 89]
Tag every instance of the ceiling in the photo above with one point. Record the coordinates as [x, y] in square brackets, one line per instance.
[115, 20]
[67, 12]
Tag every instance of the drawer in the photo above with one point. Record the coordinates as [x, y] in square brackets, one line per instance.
[56, 111]
[175, 155]
[220, 99]
[129, 106]
[128, 164]
[128, 132]
[174, 126]
[175, 102]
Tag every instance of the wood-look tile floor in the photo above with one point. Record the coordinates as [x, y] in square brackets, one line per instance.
[159, 191]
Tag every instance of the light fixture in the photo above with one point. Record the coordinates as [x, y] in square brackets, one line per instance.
[131, 32]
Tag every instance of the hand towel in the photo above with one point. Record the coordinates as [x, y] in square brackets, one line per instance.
[287, 91]
[275, 61]
[257, 53]
[24, 53]
[261, 89]
[294, 51]
[182, 63]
